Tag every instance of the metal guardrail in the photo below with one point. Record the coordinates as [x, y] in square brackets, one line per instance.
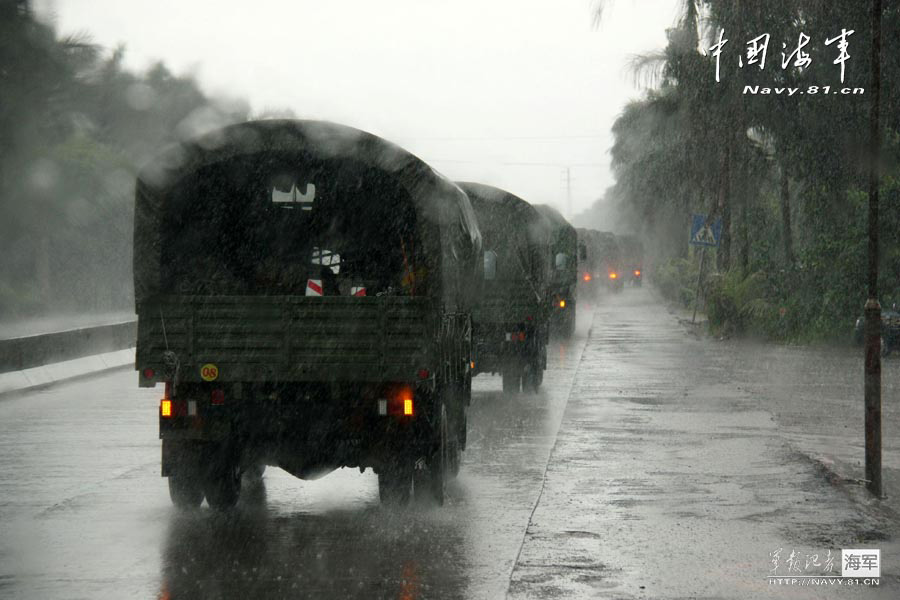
[36, 350]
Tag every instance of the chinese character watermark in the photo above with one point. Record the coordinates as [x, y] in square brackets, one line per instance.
[717, 50]
[858, 566]
[757, 50]
[756, 47]
[801, 59]
[843, 55]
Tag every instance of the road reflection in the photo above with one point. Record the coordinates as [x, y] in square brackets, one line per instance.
[257, 552]
[335, 541]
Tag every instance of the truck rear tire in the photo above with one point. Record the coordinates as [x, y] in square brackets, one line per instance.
[185, 491]
[533, 377]
[512, 380]
[253, 474]
[222, 487]
[569, 325]
[440, 464]
[458, 444]
[395, 484]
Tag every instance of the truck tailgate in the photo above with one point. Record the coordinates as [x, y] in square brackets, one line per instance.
[289, 338]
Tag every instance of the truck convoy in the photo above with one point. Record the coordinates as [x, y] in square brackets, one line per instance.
[510, 318]
[310, 296]
[632, 259]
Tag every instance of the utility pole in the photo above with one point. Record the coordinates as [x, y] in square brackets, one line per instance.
[873, 308]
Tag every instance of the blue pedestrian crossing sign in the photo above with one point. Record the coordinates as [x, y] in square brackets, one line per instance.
[703, 233]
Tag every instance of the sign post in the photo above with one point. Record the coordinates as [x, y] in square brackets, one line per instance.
[872, 385]
[703, 233]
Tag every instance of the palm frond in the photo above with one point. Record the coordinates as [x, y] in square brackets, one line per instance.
[647, 70]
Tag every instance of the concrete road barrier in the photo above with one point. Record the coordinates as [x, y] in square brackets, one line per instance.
[36, 361]
[27, 352]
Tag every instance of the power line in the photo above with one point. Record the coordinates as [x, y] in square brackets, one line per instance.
[506, 138]
[519, 164]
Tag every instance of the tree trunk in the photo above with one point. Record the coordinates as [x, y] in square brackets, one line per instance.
[786, 219]
[745, 233]
[744, 230]
[724, 253]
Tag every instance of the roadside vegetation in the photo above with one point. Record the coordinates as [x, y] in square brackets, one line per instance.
[75, 125]
[787, 174]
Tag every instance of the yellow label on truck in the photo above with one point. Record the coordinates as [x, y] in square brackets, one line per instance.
[209, 372]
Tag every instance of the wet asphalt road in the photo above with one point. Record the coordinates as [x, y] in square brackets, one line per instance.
[682, 464]
[651, 465]
[84, 513]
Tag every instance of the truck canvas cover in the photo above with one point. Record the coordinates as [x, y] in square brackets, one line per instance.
[297, 250]
[517, 233]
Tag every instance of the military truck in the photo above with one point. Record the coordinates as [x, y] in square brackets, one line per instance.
[590, 279]
[632, 259]
[564, 275]
[510, 320]
[304, 293]
[609, 256]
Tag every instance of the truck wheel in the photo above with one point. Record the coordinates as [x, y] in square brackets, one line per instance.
[252, 476]
[185, 491]
[440, 464]
[512, 380]
[456, 432]
[460, 438]
[395, 484]
[533, 377]
[222, 487]
[569, 327]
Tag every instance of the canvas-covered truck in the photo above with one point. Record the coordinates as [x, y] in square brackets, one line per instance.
[303, 292]
[609, 253]
[563, 249]
[510, 319]
[590, 278]
[632, 258]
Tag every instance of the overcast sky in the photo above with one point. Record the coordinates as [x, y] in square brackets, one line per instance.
[471, 86]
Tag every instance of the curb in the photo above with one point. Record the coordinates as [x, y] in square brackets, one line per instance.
[68, 370]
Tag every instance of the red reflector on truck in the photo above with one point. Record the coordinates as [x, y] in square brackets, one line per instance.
[423, 373]
[217, 397]
[149, 373]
